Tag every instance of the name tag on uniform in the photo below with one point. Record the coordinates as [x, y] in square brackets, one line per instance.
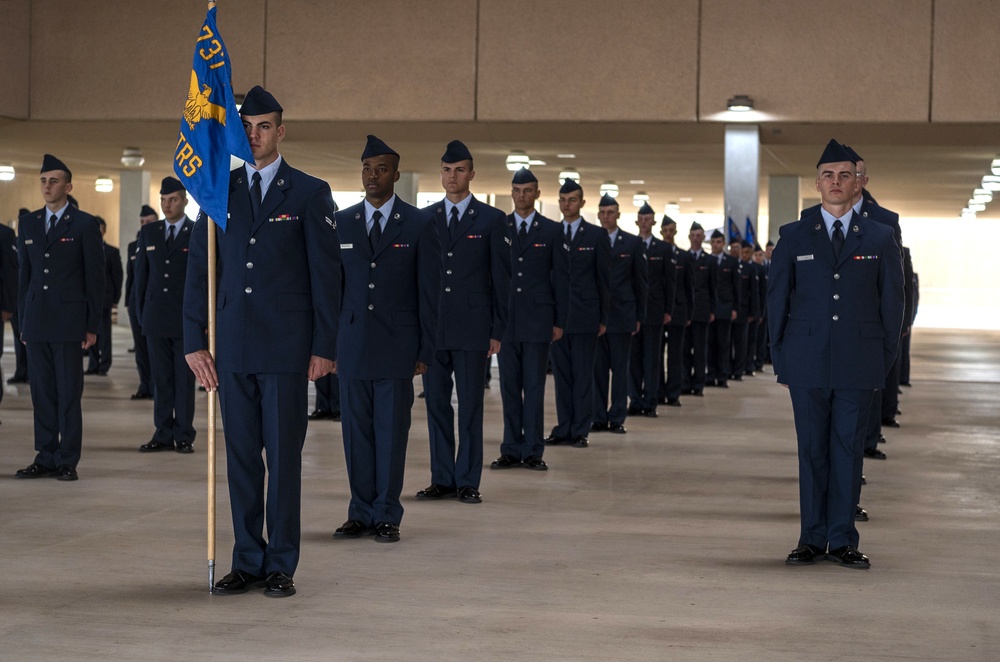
[150, 248]
[803, 258]
[344, 247]
[28, 242]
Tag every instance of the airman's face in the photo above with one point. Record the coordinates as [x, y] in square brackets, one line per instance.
[571, 203]
[524, 197]
[379, 175]
[264, 134]
[669, 233]
[55, 186]
[837, 182]
[455, 177]
[608, 216]
[645, 223]
[172, 205]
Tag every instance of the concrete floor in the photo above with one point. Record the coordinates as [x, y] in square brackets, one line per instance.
[665, 544]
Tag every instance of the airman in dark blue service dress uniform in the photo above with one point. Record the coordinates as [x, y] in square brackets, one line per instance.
[145, 391]
[277, 305]
[8, 283]
[475, 297]
[672, 376]
[59, 300]
[647, 345]
[99, 354]
[160, 273]
[392, 270]
[727, 304]
[835, 308]
[703, 286]
[538, 293]
[628, 288]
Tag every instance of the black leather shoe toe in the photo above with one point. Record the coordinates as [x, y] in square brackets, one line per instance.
[140, 395]
[616, 428]
[184, 447]
[675, 402]
[66, 472]
[635, 411]
[553, 440]
[353, 528]
[849, 557]
[890, 423]
[279, 585]
[875, 454]
[651, 413]
[505, 462]
[320, 414]
[860, 514]
[535, 463]
[580, 442]
[469, 495]
[155, 446]
[804, 555]
[599, 427]
[35, 471]
[435, 491]
[386, 532]
[237, 582]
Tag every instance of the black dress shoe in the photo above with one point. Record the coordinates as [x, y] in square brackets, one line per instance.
[155, 446]
[749, 373]
[353, 528]
[335, 416]
[90, 371]
[616, 428]
[881, 439]
[599, 427]
[650, 413]
[736, 378]
[553, 440]
[237, 582]
[860, 514]
[635, 411]
[140, 395]
[279, 585]
[890, 423]
[17, 380]
[436, 491]
[721, 384]
[849, 557]
[662, 400]
[580, 442]
[35, 471]
[386, 532]
[319, 414]
[534, 463]
[469, 495]
[697, 393]
[674, 402]
[505, 462]
[864, 481]
[875, 454]
[184, 447]
[66, 472]
[102, 373]
[804, 555]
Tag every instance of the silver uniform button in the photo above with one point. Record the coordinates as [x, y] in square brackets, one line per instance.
[45, 287]
[520, 259]
[45, 271]
[836, 297]
[371, 286]
[451, 254]
[373, 265]
[519, 273]
[165, 289]
[836, 276]
[166, 262]
[166, 275]
[249, 265]
[836, 317]
[371, 306]
[447, 289]
[519, 289]
[248, 290]
[46, 255]
[253, 240]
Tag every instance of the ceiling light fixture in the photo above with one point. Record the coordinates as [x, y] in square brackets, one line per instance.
[637, 182]
[982, 195]
[239, 99]
[672, 207]
[569, 174]
[609, 188]
[741, 103]
[104, 184]
[517, 160]
[132, 157]
[566, 156]
[968, 215]
[6, 172]
[640, 198]
[976, 206]
[991, 182]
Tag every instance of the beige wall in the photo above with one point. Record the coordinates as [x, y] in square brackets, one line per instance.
[854, 60]
[513, 60]
[966, 57]
[587, 60]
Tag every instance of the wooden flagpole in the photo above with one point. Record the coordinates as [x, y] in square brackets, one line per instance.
[212, 395]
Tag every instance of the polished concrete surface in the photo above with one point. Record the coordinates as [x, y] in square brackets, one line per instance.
[667, 543]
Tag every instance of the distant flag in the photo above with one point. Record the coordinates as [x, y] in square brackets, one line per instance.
[750, 234]
[734, 231]
[211, 129]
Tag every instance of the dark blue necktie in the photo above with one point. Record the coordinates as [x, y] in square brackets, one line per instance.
[376, 232]
[837, 239]
[255, 196]
[453, 224]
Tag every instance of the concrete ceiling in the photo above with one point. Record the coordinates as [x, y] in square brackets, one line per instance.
[919, 170]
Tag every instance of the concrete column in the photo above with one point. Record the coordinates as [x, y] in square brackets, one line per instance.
[133, 193]
[782, 203]
[407, 186]
[742, 187]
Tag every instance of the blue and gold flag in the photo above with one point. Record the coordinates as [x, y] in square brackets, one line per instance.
[750, 234]
[211, 129]
[733, 230]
